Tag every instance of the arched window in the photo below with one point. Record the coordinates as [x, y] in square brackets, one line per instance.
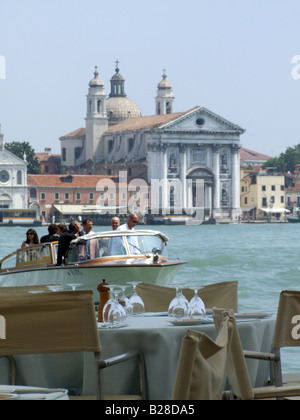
[111, 144]
[98, 107]
[131, 143]
[19, 178]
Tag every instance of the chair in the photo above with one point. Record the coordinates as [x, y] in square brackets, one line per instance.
[237, 369]
[286, 334]
[58, 322]
[158, 298]
[201, 371]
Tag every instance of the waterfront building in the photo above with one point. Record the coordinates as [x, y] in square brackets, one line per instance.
[50, 162]
[13, 179]
[262, 195]
[176, 148]
[293, 190]
[252, 158]
[62, 197]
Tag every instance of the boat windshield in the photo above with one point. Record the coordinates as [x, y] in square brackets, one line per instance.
[139, 245]
[117, 246]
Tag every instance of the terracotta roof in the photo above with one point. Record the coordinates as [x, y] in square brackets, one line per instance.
[77, 133]
[146, 123]
[247, 154]
[62, 180]
[47, 156]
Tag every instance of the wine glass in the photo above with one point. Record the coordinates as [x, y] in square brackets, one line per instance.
[74, 286]
[196, 308]
[178, 307]
[109, 303]
[125, 302]
[116, 314]
[136, 302]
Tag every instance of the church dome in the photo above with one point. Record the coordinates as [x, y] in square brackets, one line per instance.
[96, 81]
[121, 109]
[118, 106]
[164, 84]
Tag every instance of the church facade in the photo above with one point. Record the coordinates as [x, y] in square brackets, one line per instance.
[13, 179]
[176, 150]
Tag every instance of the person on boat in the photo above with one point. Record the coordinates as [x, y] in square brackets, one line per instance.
[115, 223]
[133, 221]
[61, 229]
[90, 250]
[52, 234]
[31, 238]
[65, 240]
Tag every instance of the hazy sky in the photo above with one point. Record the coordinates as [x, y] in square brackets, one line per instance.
[232, 56]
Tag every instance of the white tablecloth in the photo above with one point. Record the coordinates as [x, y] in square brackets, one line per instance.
[158, 340]
[160, 343]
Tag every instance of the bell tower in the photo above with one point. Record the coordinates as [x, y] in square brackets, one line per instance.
[165, 99]
[96, 117]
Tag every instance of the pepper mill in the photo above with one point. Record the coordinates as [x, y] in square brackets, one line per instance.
[104, 297]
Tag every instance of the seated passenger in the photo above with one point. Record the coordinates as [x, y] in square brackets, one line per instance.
[52, 236]
[65, 240]
[32, 238]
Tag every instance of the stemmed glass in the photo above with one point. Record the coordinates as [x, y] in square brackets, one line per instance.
[125, 302]
[136, 302]
[109, 303]
[116, 314]
[74, 286]
[196, 307]
[178, 307]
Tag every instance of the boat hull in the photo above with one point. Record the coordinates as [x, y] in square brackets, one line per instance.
[293, 219]
[90, 275]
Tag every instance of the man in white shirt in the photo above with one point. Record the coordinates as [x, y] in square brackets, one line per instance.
[116, 245]
[132, 222]
[132, 240]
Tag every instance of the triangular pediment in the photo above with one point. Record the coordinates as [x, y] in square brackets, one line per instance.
[8, 158]
[202, 120]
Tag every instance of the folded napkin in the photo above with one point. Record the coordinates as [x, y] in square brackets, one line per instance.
[34, 393]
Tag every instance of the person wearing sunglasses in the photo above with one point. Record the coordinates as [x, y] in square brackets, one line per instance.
[31, 238]
[133, 221]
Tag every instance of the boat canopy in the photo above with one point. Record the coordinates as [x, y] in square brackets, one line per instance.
[118, 233]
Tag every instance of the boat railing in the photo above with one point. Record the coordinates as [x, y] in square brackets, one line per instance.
[42, 254]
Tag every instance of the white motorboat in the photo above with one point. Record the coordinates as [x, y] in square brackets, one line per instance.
[121, 257]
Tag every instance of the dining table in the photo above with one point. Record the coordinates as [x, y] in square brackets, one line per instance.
[157, 339]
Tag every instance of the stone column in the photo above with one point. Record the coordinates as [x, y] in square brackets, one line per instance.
[164, 172]
[183, 170]
[235, 170]
[216, 170]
